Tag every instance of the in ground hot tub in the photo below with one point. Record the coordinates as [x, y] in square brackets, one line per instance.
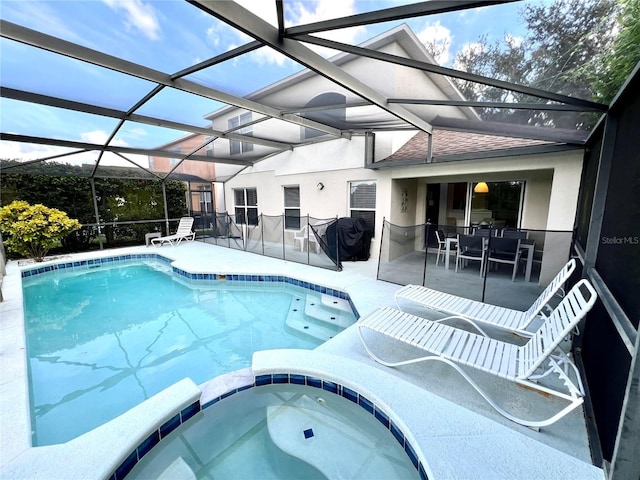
[283, 426]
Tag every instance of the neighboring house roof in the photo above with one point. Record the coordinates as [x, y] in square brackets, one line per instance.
[453, 143]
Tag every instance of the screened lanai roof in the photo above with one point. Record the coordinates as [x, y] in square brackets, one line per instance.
[112, 87]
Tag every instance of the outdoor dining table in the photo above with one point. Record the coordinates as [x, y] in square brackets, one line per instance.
[525, 245]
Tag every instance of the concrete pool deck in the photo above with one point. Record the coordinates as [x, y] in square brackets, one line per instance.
[459, 435]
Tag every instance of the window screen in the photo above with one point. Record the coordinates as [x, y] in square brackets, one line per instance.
[246, 205]
[362, 201]
[236, 147]
[292, 208]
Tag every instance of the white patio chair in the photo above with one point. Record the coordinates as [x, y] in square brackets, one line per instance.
[442, 239]
[184, 232]
[305, 235]
[521, 364]
[516, 321]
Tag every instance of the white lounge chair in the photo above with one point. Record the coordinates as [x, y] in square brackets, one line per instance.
[472, 311]
[522, 364]
[184, 232]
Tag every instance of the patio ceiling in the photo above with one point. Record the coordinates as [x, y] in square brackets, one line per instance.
[143, 106]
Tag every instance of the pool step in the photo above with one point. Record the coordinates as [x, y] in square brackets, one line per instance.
[311, 329]
[178, 470]
[316, 436]
[330, 310]
[336, 303]
[309, 317]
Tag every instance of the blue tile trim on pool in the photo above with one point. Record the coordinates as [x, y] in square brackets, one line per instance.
[154, 439]
[272, 379]
[93, 263]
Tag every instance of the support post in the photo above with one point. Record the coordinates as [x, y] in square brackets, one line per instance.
[166, 208]
[95, 211]
[626, 461]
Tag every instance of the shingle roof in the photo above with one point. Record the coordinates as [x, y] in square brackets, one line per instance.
[453, 142]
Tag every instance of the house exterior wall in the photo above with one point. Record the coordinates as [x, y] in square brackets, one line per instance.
[551, 179]
[550, 198]
[551, 192]
[392, 81]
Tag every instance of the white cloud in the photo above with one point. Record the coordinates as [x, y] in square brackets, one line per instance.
[264, 9]
[471, 48]
[512, 40]
[467, 48]
[99, 137]
[31, 151]
[299, 12]
[139, 16]
[39, 16]
[216, 32]
[438, 38]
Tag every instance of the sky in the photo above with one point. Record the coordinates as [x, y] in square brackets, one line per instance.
[170, 35]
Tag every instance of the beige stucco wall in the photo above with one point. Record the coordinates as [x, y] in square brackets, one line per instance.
[552, 177]
[550, 201]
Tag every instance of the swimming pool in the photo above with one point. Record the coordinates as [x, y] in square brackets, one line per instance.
[102, 336]
[281, 431]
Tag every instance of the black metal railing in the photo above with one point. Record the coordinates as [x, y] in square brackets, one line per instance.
[310, 243]
[428, 255]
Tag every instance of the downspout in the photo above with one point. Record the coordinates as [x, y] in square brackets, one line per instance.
[369, 149]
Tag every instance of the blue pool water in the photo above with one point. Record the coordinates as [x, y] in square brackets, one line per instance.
[101, 340]
[279, 432]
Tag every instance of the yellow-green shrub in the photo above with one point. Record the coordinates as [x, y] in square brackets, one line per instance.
[32, 230]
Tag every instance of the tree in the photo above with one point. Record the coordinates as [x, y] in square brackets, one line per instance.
[619, 61]
[67, 187]
[564, 41]
[33, 230]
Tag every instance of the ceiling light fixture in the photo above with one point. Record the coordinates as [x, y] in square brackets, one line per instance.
[481, 187]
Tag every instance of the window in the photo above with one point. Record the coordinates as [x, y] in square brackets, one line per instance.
[362, 201]
[334, 116]
[246, 200]
[500, 205]
[236, 147]
[205, 200]
[292, 208]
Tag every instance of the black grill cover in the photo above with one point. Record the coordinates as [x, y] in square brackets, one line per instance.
[348, 239]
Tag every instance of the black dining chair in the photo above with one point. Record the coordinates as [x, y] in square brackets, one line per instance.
[514, 233]
[505, 250]
[471, 247]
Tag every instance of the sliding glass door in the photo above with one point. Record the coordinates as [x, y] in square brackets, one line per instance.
[496, 203]
[464, 204]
